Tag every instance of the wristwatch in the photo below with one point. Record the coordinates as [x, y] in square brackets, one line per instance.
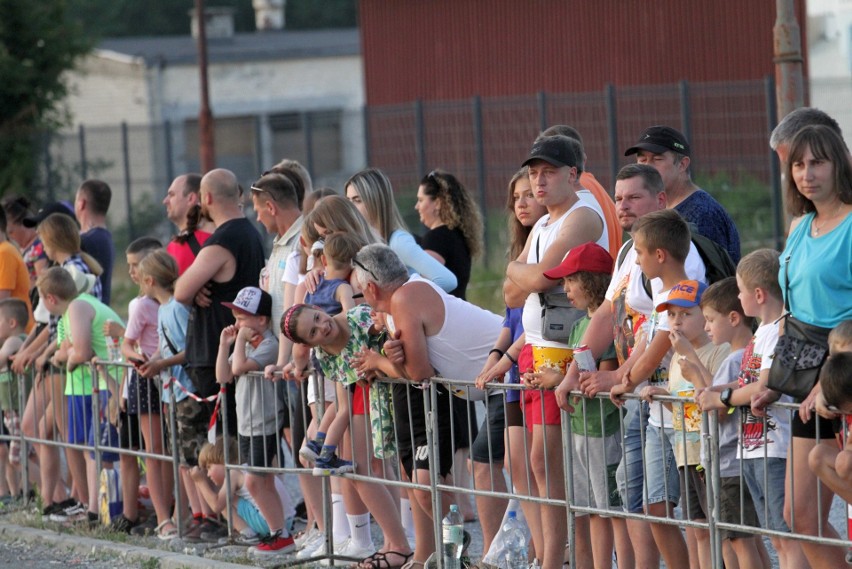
[725, 397]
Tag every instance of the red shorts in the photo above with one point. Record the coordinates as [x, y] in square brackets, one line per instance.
[539, 406]
[360, 399]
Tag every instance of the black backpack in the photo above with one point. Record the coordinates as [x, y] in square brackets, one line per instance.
[717, 262]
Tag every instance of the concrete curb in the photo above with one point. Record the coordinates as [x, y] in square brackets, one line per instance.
[129, 553]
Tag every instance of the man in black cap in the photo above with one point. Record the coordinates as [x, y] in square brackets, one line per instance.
[667, 150]
[553, 163]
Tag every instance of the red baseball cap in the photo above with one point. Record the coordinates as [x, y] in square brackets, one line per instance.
[589, 257]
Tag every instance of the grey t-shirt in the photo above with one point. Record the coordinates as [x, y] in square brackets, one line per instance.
[729, 424]
[256, 413]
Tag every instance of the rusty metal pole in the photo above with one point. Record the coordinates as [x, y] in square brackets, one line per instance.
[207, 143]
[788, 59]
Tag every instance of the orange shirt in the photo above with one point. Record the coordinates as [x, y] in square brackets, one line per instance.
[588, 181]
[14, 276]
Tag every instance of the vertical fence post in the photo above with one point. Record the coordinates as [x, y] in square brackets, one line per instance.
[365, 119]
[568, 469]
[430, 400]
[685, 110]
[84, 167]
[775, 195]
[480, 170]
[125, 152]
[541, 98]
[222, 404]
[420, 134]
[308, 128]
[172, 389]
[612, 131]
[170, 159]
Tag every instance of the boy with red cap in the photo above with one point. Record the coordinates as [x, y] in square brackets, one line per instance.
[585, 273]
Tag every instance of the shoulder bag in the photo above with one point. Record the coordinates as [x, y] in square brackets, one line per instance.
[558, 314]
[800, 352]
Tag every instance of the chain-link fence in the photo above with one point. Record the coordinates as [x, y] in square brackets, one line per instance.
[481, 140]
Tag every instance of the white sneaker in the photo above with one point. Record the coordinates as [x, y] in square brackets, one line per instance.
[338, 547]
[352, 550]
[313, 547]
[309, 535]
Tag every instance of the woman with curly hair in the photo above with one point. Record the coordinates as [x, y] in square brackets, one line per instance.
[455, 225]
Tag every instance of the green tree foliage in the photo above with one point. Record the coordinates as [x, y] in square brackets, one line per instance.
[37, 46]
[119, 18]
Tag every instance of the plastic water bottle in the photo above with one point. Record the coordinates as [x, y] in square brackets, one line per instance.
[514, 544]
[453, 538]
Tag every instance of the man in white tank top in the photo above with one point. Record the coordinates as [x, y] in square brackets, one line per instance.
[553, 170]
[434, 333]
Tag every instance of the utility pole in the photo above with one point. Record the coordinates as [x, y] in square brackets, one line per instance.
[789, 84]
[207, 143]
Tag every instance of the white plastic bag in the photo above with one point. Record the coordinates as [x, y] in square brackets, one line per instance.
[495, 552]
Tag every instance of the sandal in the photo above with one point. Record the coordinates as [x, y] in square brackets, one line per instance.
[379, 560]
[166, 534]
[414, 565]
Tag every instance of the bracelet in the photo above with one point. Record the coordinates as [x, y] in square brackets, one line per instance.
[511, 359]
[498, 351]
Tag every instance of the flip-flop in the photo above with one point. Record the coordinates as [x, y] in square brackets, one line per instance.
[379, 560]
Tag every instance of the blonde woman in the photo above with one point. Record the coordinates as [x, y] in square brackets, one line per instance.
[371, 192]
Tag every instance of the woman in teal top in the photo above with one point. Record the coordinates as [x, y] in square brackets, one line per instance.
[816, 278]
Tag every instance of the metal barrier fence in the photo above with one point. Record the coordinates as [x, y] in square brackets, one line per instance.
[384, 443]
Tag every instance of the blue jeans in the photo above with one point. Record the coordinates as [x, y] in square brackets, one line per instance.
[765, 480]
[663, 480]
[629, 475]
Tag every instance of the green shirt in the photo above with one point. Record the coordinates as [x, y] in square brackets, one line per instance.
[588, 421]
[79, 381]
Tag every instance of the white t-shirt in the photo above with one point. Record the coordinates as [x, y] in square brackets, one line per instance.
[658, 323]
[630, 275]
[291, 270]
[543, 236]
[633, 314]
[757, 357]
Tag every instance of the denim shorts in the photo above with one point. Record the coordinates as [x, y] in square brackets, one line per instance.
[630, 476]
[768, 496]
[661, 473]
[489, 446]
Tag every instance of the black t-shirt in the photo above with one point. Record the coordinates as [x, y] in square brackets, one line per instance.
[97, 242]
[450, 244]
[206, 324]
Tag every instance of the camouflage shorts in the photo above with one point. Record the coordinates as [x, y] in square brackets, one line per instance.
[192, 419]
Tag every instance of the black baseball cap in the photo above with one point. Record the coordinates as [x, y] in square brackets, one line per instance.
[556, 150]
[53, 207]
[659, 139]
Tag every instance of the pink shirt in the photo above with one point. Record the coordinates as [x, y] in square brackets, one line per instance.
[182, 252]
[142, 324]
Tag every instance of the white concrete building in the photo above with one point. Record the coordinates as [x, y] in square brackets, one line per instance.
[830, 59]
[273, 94]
